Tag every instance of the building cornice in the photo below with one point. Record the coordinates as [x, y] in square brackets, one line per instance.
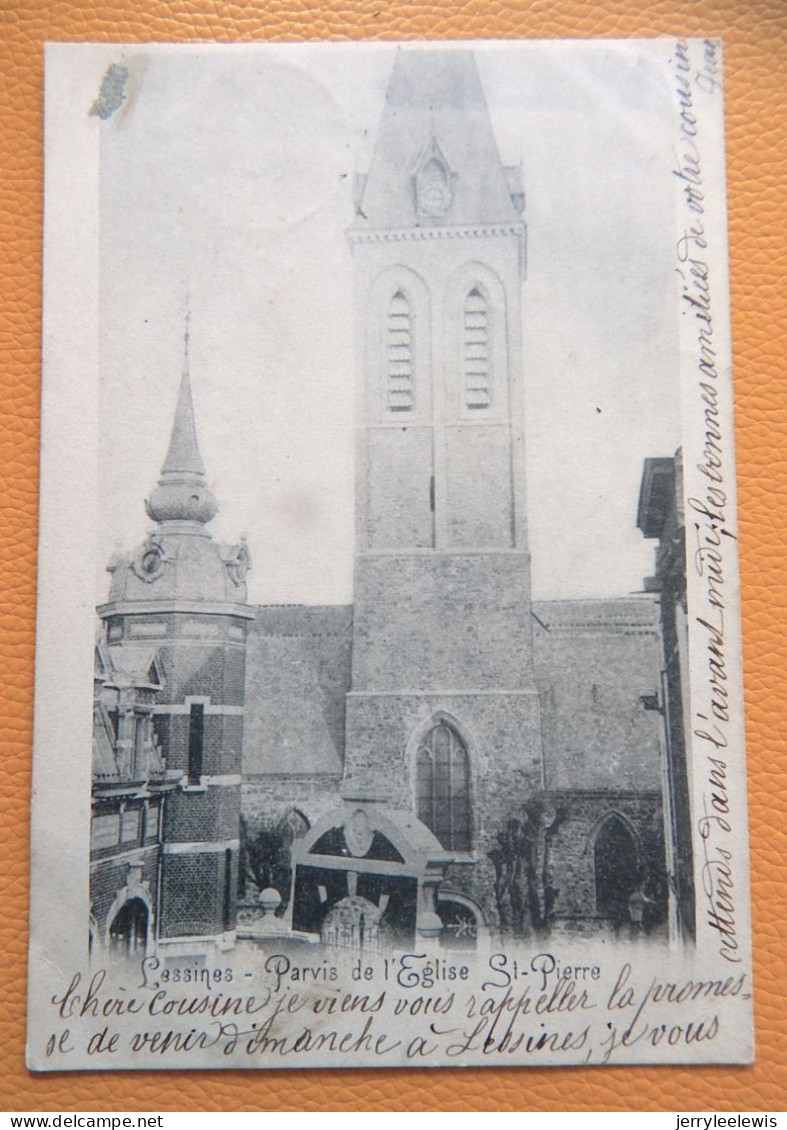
[108, 790]
[164, 607]
[399, 235]
[199, 847]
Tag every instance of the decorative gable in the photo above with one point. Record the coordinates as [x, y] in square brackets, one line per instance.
[434, 182]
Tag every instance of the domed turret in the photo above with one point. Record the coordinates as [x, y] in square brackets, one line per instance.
[179, 560]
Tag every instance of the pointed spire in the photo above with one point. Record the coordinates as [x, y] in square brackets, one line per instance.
[182, 493]
[183, 453]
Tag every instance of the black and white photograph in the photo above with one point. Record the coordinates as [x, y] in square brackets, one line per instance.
[388, 690]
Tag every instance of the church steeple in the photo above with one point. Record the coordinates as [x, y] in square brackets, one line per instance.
[436, 162]
[442, 639]
[182, 494]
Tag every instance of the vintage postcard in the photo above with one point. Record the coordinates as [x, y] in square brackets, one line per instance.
[389, 693]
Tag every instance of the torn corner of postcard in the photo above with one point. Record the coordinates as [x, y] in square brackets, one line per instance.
[388, 690]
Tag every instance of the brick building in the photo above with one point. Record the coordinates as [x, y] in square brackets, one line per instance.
[181, 598]
[129, 786]
[444, 758]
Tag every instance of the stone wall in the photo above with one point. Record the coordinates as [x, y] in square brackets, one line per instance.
[596, 660]
[580, 819]
[442, 622]
[268, 800]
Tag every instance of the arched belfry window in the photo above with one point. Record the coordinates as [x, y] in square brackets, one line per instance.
[443, 786]
[476, 347]
[399, 372]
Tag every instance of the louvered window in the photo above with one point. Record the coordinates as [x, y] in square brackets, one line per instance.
[443, 787]
[400, 355]
[476, 352]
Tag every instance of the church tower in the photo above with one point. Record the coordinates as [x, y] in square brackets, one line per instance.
[182, 597]
[443, 712]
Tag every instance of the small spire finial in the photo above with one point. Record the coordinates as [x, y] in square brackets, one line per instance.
[187, 330]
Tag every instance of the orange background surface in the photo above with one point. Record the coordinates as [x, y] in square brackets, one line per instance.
[755, 36]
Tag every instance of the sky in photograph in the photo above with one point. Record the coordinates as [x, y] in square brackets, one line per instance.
[228, 174]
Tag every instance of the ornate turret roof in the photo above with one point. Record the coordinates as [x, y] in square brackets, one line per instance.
[179, 562]
[182, 494]
[436, 161]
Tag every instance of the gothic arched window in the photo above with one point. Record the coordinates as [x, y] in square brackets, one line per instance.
[475, 343]
[443, 787]
[399, 371]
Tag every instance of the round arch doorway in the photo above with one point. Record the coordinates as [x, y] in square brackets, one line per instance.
[128, 933]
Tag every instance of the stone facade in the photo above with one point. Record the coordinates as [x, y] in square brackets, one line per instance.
[597, 662]
[442, 632]
[600, 759]
[581, 820]
[443, 746]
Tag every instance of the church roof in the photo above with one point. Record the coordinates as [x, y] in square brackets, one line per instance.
[297, 675]
[435, 111]
[590, 616]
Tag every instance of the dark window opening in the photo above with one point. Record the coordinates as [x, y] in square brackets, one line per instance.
[196, 741]
[616, 863]
[160, 730]
[228, 889]
[115, 722]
